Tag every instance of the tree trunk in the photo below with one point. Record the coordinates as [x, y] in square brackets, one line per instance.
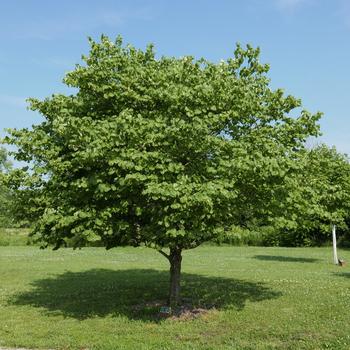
[175, 273]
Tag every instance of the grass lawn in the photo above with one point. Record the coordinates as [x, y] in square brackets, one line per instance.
[264, 298]
[14, 237]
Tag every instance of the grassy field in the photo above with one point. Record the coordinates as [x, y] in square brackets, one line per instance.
[14, 237]
[262, 298]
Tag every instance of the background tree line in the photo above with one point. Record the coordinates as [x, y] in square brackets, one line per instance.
[318, 195]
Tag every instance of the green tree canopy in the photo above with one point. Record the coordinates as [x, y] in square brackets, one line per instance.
[5, 193]
[5, 164]
[318, 195]
[158, 151]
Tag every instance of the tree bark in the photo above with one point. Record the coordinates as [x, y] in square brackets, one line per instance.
[175, 273]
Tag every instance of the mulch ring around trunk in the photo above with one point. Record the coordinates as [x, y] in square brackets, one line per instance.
[181, 313]
[188, 312]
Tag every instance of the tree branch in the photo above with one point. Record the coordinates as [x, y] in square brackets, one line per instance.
[164, 254]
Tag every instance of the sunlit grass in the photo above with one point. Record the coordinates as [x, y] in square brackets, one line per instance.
[14, 237]
[260, 298]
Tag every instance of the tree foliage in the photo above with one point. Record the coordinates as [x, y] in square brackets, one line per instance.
[318, 196]
[164, 152]
[5, 193]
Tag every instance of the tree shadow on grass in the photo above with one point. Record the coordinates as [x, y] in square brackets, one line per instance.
[285, 258]
[134, 293]
[343, 274]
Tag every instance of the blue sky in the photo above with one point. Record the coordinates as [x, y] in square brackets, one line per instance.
[306, 42]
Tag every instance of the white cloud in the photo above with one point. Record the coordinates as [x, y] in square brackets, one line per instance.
[82, 23]
[57, 62]
[344, 12]
[289, 5]
[338, 8]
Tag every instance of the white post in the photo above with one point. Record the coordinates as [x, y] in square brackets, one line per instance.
[335, 256]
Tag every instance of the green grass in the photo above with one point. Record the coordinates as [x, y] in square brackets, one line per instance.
[14, 237]
[264, 298]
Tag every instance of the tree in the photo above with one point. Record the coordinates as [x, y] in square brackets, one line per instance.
[5, 193]
[318, 195]
[162, 152]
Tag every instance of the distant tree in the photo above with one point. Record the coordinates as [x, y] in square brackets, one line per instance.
[162, 152]
[318, 195]
[5, 193]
